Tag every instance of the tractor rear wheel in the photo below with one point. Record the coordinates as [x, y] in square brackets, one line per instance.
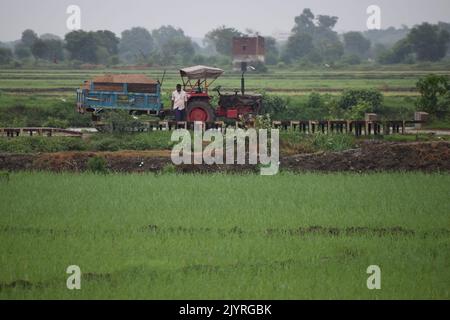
[199, 110]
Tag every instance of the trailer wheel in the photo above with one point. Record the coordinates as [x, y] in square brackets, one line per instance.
[161, 115]
[198, 110]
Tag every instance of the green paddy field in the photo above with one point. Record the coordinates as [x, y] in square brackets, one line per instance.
[168, 236]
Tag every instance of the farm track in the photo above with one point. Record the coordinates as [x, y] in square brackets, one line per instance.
[370, 157]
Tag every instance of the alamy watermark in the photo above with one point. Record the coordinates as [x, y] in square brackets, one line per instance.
[73, 22]
[374, 20]
[374, 280]
[251, 145]
[74, 280]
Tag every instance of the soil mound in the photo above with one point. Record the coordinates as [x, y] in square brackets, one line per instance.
[371, 156]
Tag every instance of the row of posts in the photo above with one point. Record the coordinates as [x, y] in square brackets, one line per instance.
[370, 126]
[16, 132]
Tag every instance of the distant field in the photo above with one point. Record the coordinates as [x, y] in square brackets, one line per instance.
[275, 81]
[225, 237]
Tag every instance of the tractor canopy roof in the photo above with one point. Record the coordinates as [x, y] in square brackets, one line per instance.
[201, 72]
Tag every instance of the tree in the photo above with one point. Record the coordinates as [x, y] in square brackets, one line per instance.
[329, 47]
[398, 54]
[445, 26]
[435, 94]
[298, 46]
[39, 49]
[82, 46]
[387, 37]
[91, 47]
[174, 47]
[327, 22]
[356, 44]
[136, 45]
[304, 23]
[222, 39]
[51, 50]
[429, 42]
[319, 29]
[50, 36]
[177, 51]
[272, 52]
[166, 34]
[5, 55]
[29, 37]
[108, 40]
[21, 51]
[325, 40]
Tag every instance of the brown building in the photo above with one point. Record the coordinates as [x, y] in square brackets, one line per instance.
[248, 49]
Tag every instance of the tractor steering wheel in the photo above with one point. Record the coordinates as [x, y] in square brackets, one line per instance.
[218, 88]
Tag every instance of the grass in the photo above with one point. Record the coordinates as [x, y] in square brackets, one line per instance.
[157, 140]
[224, 237]
[414, 137]
[291, 142]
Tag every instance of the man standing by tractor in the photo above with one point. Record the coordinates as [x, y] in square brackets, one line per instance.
[179, 102]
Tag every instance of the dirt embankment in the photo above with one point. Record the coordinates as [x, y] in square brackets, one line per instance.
[417, 156]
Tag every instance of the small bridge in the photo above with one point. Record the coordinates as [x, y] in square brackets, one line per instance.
[39, 131]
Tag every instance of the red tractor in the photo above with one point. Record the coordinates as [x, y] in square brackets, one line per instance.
[197, 81]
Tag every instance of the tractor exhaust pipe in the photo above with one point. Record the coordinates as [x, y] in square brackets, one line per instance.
[243, 69]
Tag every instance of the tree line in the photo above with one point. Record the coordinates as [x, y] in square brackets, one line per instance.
[313, 40]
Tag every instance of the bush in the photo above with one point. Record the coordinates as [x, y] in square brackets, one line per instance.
[435, 95]
[315, 101]
[351, 98]
[358, 111]
[97, 164]
[272, 104]
[121, 121]
[263, 122]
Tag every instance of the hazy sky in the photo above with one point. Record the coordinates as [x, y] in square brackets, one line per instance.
[197, 17]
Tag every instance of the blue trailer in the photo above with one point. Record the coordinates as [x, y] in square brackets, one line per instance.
[135, 93]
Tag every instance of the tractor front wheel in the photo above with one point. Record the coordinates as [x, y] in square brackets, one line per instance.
[198, 110]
